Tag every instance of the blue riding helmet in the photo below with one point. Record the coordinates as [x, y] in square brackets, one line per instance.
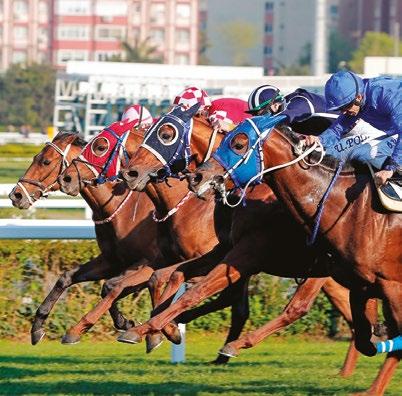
[341, 89]
[241, 168]
[179, 148]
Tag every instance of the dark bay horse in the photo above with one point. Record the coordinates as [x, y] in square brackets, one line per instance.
[365, 238]
[145, 167]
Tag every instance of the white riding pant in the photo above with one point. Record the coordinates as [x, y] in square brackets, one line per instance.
[365, 144]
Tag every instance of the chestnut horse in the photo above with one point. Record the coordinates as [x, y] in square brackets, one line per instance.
[41, 177]
[75, 178]
[352, 217]
[145, 167]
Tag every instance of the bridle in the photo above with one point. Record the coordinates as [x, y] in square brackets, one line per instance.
[44, 190]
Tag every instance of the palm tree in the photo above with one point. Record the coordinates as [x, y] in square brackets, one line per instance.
[141, 52]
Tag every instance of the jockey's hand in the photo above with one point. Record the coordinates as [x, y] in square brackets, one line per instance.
[311, 139]
[382, 176]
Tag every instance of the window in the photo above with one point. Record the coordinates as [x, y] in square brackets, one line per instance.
[42, 57]
[106, 55]
[73, 7]
[110, 33]
[136, 13]
[73, 32]
[20, 33]
[19, 57]
[111, 8]
[268, 28]
[43, 11]
[65, 55]
[269, 6]
[267, 50]
[158, 36]
[183, 12]
[43, 36]
[20, 10]
[333, 10]
[158, 13]
[183, 36]
[182, 59]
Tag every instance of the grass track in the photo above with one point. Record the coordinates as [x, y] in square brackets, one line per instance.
[278, 367]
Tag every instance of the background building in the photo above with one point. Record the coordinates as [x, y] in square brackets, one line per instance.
[62, 30]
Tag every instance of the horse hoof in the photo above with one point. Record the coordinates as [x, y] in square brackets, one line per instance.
[172, 333]
[37, 336]
[153, 341]
[228, 351]
[70, 339]
[220, 360]
[130, 337]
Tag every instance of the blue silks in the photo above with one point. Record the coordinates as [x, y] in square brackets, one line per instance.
[179, 148]
[242, 168]
[390, 345]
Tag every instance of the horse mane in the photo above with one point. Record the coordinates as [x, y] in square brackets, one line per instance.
[329, 162]
[79, 140]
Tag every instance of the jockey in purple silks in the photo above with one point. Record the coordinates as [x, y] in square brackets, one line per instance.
[376, 101]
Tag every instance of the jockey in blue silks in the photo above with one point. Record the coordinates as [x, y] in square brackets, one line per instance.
[298, 106]
[375, 101]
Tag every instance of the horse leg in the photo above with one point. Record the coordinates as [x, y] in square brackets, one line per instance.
[95, 269]
[155, 286]
[133, 276]
[362, 325]
[339, 297]
[297, 307]
[218, 279]
[195, 267]
[393, 317]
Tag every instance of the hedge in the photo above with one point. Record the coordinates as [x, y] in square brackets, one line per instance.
[29, 269]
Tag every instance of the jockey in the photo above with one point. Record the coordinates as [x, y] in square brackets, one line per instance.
[138, 113]
[223, 114]
[298, 106]
[378, 102]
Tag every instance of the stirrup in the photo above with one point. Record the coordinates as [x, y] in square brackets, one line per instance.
[390, 193]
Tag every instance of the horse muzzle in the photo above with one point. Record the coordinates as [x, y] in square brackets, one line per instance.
[19, 200]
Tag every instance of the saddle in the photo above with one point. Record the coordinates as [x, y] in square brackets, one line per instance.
[390, 193]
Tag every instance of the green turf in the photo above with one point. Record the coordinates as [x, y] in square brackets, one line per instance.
[277, 367]
[11, 171]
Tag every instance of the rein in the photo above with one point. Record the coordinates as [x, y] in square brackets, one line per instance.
[301, 157]
[44, 191]
[114, 214]
[173, 210]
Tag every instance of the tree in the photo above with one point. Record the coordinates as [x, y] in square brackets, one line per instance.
[27, 95]
[140, 52]
[239, 37]
[340, 50]
[372, 44]
[203, 45]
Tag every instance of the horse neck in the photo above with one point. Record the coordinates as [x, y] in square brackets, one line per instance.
[301, 190]
[105, 199]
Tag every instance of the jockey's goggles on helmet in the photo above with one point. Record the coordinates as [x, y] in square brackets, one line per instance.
[278, 98]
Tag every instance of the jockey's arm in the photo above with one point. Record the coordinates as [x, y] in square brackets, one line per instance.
[298, 109]
[331, 136]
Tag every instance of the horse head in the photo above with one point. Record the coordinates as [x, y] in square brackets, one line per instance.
[171, 145]
[41, 176]
[101, 158]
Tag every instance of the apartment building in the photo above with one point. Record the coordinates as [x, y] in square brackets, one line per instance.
[61, 30]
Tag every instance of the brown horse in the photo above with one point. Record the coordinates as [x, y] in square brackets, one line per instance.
[74, 179]
[352, 217]
[142, 169]
[40, 178]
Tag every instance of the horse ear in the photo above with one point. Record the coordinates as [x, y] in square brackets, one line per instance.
[191, 112]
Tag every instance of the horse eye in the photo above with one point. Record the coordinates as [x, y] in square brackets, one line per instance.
[102, 148]
[238, 146]
[46, 162]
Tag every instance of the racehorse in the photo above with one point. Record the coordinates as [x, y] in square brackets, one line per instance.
[145, 167]
[353, 217]
[41, 178]
[80, 174]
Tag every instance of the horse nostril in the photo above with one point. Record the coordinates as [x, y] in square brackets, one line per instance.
[197, 178]
[161, 173]
[18, 196]
[67, 179]
[218, 179]
[132, 174]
